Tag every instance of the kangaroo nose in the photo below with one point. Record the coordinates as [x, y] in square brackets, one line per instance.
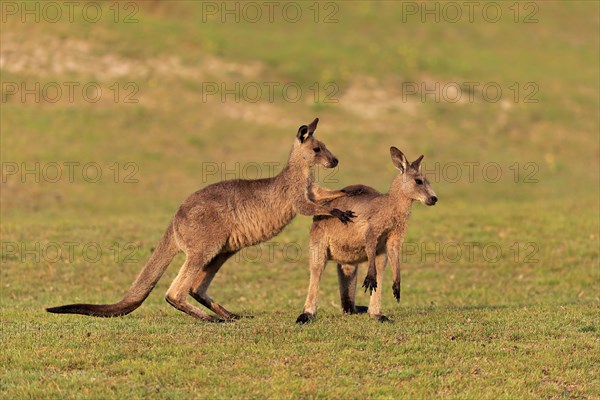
[334, 162]
[433, 199]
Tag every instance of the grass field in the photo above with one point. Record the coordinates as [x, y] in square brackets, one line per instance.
[500, 280]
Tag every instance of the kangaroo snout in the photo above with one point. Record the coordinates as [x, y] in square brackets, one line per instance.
[333, 163]
[431, 201]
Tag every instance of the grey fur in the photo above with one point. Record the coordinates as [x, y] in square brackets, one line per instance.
[376, 235]
[214, 223]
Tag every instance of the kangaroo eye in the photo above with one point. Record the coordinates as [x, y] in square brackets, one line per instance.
[418, 181]
[317, 149]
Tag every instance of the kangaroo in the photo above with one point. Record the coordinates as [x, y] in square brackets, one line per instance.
[377, 234]
[214, 223]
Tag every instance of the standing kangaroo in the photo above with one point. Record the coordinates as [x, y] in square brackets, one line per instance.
[214, 223]
[377, 234]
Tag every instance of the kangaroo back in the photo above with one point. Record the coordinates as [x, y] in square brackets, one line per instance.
[140, 289]
[357, 190]
[357, 197]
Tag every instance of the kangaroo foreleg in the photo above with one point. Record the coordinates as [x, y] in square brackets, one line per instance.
[321, 195]
[370, 282]
[307, 207]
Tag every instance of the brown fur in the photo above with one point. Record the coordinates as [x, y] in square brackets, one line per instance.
[214, 223]
[376, 235]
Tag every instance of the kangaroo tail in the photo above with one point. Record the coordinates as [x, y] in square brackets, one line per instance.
[140, 289]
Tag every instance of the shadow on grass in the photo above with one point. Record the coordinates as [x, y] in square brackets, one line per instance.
[493, 307]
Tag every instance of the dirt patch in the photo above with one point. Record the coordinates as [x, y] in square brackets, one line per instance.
[369, 97]
[52, 56]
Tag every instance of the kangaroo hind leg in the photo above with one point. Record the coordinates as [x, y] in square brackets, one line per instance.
[179, 289]
[318, 260]
[203, 280]
[375, 301]
[347, 275]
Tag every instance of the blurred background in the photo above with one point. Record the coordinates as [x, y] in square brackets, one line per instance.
[162, 98]
[113, 112]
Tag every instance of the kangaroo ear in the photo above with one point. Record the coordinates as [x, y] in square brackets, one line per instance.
[399, 159]
[417, 163]
[312, 127]
[302, 131]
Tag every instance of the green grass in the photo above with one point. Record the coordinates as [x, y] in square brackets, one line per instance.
[520, 325]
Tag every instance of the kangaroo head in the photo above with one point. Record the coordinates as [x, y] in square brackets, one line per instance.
[411, 182]
[310, 150]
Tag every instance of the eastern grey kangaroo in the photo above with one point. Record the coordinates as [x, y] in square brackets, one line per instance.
[214, 223]
[377, 234]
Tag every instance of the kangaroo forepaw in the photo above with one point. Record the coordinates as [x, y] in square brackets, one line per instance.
[305, 318]
[396, 289]
[370, 284]
[344, 216]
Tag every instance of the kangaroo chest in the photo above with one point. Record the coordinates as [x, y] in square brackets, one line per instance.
[351, 248]
[258, 224]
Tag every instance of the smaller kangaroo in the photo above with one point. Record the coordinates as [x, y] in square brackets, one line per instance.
[376, 234]
[216, 222]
